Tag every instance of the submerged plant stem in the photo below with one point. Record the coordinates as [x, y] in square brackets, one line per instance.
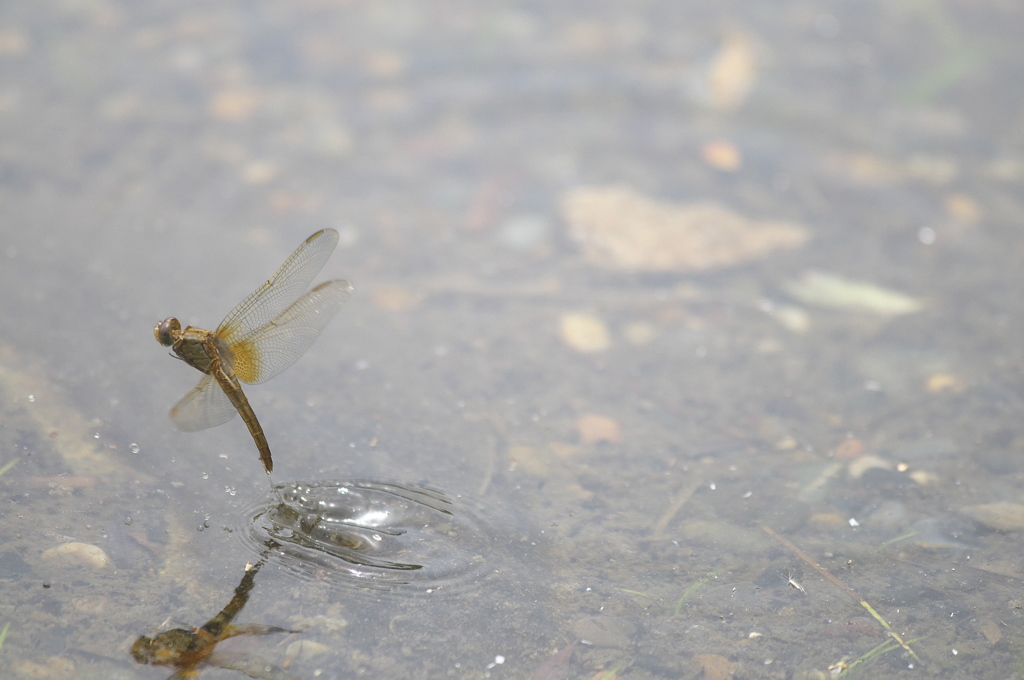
[842, 586]
[689, 591]
[7, 466]
[898, 539]
[884, 648]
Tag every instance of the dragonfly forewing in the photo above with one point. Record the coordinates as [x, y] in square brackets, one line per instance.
[281, 289]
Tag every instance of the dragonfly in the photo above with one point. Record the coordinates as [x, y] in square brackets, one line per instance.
[266, 333]
[189, 649]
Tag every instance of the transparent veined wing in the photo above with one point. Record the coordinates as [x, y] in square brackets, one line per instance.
[185, 675]
[205, 405]
[281, 290]
[280, 343]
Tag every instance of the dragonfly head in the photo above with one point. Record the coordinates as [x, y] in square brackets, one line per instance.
[166, 331]
[166, 649]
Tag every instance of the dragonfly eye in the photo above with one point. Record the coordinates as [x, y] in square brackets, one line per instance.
[163, 331]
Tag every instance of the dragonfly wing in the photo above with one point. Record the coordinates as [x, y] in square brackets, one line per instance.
[280, 343]
[204, 406]
[189, 674]
[281, 289]
[252, 666]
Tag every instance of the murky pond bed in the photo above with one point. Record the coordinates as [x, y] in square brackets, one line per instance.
[684, 340]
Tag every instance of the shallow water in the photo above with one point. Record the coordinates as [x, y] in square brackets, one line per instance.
[369, 534]
[701, 452]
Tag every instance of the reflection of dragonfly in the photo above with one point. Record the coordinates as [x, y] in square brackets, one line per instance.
[265, 334]
[190, 649]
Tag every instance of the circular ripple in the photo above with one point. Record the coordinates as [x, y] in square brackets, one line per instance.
[368, 534]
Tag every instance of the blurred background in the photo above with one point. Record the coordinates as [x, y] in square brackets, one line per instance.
[686, 307]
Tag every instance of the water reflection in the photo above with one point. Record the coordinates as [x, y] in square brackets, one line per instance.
[369, 534]
[188, 650]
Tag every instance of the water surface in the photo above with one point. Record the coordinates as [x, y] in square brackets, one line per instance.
[631, 410]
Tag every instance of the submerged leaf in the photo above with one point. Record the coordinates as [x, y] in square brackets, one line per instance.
[821, 289]
[557, 666]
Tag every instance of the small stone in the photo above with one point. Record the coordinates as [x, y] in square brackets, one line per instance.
[714, 666]
[605, 631]
[963, 208]
[944, 382]
[813, 674]
[991, 630]
[640, 333]
[1001, 516]
[787, 443]
[235, 105]
[14, 41]
[259, 172]
[563, 450]
[595, 429]
[396, 298]
[584, 333]
[732, 71]
[849, 449]
[48, 668]
[722, 155]
[793, 319]
[385, 63]
[859, 466]
[530, 460]
[923, 477]
[304, 649]
[78, 553]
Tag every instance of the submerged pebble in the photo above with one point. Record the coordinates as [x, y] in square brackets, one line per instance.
[640, 333]
[584, 333]
[78, 553]
[594, 429]
[859, 466]
[714, 666]
[604, 631]
[48, 668]
[1002, 516]
[304, 649]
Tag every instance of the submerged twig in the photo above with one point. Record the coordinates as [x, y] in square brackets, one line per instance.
[3, 633]
[684, 495]
[499, 443]
[842, 586]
